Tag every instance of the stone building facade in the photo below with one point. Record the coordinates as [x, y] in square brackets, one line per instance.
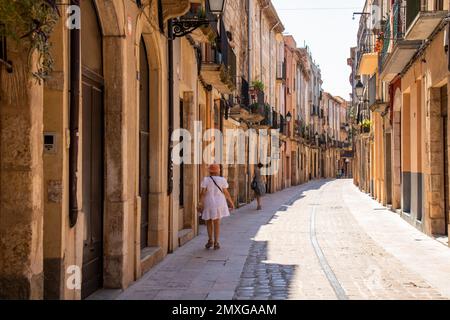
[90, 189]
[405, 76]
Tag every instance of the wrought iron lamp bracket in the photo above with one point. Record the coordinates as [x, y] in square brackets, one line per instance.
[183, 27]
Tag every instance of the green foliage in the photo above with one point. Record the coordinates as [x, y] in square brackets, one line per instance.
[258, 85]
[254, 107]
[30, 23]
[212, 38]
[366, 124]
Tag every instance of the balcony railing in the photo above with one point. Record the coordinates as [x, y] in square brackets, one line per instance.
[281, 70]
[422, 18]
[219, 64]
[245, 93]
[372, 90]
[394, 30]
[275, 120]
[315, 110]
[414, 7]
[283, 126]
[397, 50]
[229, 57]
[266, 112]
[250, 106]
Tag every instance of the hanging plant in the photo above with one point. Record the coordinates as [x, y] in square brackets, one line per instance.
[30, 23]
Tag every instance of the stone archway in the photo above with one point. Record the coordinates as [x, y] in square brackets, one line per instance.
[117, 201]
[157, 240]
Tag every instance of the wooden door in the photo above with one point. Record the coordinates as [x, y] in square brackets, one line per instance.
[92, 131]
[444, 106]
[144, 144]
[388, 162]
[93, 161]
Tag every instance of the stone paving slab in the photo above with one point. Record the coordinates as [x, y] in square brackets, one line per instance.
[192, 272]
[269, 254]
[415, 250]
[359, 265]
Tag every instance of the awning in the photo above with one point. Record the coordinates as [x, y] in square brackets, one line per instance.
[368, 64]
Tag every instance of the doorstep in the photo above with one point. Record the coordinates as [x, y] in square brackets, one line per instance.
[442, 239]
[184, 236]
[150, 257]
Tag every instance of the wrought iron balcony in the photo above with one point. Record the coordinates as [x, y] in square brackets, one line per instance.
[315, 110]
[298, 128]
[396, 52]
[219, 64]
[248, 105]
[283, 126]
[421, 21]
[275, 120]
[266, 112]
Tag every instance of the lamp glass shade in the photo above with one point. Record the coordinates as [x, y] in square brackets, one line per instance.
[216, 6]
[359, 88]
[288, 117]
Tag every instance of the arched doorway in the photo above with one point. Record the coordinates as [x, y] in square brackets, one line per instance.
[92, 132]
[144, 143]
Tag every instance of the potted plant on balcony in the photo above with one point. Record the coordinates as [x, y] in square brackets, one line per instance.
[366, 125]
[266, 111]
[258, 85]
[257, 91]
[254, 107]
[306, 132]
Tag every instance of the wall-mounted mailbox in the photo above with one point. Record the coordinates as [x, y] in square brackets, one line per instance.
[50, 142]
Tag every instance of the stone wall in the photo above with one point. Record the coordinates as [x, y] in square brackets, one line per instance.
[21, 180]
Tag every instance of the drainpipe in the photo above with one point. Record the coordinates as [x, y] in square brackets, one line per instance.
[170, 123]
[250, 70]
[75, 83]
[260, 39]
[448, 46]
[250, 44]
[271, 90]
[270, 60]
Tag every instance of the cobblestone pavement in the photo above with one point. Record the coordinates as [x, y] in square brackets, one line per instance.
[322, 240]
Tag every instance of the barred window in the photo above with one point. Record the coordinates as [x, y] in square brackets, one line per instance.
[439, 5]
[2, 43]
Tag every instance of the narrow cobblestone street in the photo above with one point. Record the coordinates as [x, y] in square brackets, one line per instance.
[321, 240]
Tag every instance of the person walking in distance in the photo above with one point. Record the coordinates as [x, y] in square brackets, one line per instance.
[258, 185]
[215, 201]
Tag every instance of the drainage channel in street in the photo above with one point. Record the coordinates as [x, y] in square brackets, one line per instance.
[326, 268]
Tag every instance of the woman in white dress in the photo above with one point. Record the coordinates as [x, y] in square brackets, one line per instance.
[213, 204]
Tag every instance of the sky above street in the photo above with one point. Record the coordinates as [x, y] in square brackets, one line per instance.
[327, 27]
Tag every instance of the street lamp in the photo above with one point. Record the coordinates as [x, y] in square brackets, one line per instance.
[186, 25]
[359, 88]
[216, 6]
[347, 127]
[289, 117]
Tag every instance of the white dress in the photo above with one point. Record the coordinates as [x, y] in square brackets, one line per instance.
[215, 204]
